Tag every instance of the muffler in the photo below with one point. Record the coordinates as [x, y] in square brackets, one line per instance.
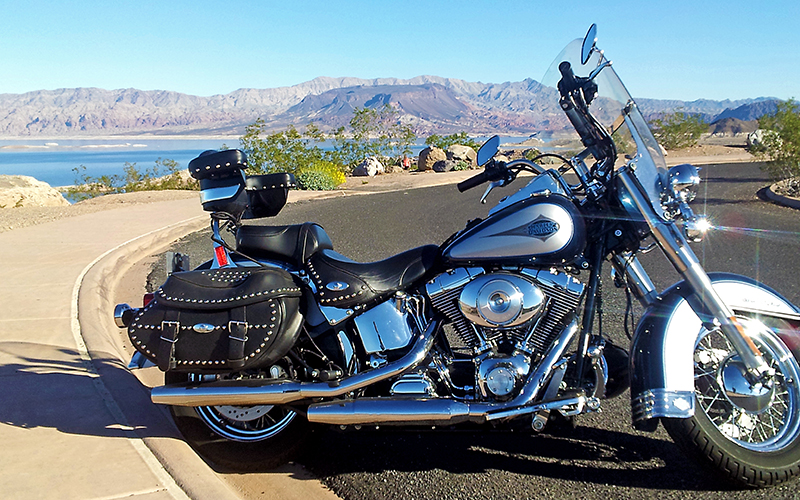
[270, 392]
[396, 411]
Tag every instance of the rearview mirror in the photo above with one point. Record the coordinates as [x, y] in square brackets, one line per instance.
[488, 150]
[589, 42]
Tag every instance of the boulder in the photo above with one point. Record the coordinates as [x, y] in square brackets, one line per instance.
[458, 152]
[429, 156]
[444, 165]
[369, 167]
[25, 191]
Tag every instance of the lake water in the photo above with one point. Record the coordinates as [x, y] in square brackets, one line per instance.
[52, 161]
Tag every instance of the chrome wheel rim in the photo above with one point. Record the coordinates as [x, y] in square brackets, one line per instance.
[245, 423]
[766, 419]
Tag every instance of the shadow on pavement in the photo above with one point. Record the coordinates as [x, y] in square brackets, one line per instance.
[52, 387]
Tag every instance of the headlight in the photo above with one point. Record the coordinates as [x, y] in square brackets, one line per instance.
[684, 179]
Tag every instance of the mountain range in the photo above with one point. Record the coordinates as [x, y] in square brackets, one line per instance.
[430, 104]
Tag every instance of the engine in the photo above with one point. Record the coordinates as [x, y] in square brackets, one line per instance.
[504, 321]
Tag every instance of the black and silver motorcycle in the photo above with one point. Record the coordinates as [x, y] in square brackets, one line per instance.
[495, 327]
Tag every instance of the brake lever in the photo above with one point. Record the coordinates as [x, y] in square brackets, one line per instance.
[494, 184]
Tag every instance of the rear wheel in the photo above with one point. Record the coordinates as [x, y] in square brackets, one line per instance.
[749, 434]
[240, 437]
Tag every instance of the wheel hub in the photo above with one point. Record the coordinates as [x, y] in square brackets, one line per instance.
[752, 398]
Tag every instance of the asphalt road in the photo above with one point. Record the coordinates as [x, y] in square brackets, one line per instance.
[603, 457]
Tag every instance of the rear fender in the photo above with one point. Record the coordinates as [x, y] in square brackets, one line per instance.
[662, 359]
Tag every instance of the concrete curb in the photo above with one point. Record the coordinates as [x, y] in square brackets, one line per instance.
[147, 424]
[781, 200]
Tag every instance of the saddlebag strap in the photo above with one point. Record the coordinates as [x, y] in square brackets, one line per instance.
[169, 335]
[237, 336]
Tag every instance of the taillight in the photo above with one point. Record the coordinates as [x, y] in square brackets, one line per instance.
[147, 298]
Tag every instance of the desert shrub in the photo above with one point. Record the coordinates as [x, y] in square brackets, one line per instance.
[285, 151]
[444, 142]
[320, 176]
[372, 132]
[462, 165]
[678, 130]
[165, 174]
[780, 145]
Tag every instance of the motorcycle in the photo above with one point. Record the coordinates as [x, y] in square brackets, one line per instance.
[496, 327]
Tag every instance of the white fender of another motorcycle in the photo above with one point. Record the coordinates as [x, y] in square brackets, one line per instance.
[662, 351]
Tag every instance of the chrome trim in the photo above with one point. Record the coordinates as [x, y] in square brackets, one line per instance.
[404, 411]
[662, 403]
[501, 300]
[260, 391]
[539, 378]
[636, 277]
[541, 185]
[123, 314]
[413, 384]
[383, 328]
[335, 315]
[677, 251]
[219, 193]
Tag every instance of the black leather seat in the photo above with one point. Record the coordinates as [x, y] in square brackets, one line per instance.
[343, 283]
[293, 244]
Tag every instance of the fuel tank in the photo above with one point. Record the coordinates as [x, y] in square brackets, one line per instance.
[539, 230]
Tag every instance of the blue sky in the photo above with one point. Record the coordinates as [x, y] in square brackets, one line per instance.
[661, 49]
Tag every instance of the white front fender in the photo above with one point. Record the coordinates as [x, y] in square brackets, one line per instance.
[662, 359]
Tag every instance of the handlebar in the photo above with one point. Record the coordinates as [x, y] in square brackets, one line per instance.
[568, 82]
[492, 172]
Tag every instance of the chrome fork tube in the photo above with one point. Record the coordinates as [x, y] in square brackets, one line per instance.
[636, 277]
[677, 251]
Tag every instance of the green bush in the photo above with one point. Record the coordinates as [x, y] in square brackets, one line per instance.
[320, 176]
[678, 130]
[462, 165]
[781, 142]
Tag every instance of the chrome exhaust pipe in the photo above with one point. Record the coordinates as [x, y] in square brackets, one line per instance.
[267, 392]
[404, 411]
[389, 411]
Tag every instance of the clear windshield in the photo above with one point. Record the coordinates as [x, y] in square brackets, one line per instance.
[615, 109]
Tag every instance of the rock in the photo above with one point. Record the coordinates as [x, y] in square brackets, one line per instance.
[429, 156]
[369, 167]
[444, 165]
[458, 152]
[25, 191]
[756, 138]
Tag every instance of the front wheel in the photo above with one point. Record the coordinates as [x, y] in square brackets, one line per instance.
[240, 438]
[749, 434]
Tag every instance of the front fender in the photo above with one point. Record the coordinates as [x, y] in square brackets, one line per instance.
[662, 351]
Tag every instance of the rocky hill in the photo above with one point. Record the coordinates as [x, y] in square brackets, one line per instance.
[429, 103]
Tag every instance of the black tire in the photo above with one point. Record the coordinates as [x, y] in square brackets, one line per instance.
[753, 445]
[270, 436]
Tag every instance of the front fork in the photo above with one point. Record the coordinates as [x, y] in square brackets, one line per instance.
[707, 304]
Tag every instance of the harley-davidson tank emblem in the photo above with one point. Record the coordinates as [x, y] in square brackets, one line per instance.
[543, 228]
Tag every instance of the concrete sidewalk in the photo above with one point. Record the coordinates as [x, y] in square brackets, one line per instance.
[64, 435]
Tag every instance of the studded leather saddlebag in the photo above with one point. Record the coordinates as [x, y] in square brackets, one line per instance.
[219, 320]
